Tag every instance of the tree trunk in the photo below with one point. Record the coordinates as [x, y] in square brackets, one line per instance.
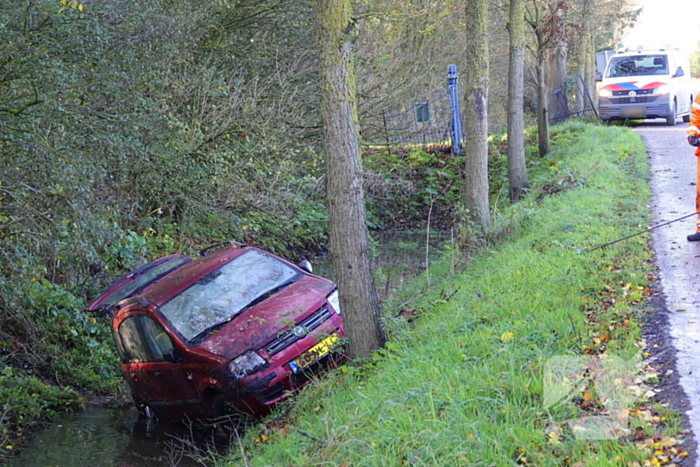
[346, 207]
[542, 105]
[585, 54]
[535, 22]
[476, 195]
[557, 65]
[517, 170]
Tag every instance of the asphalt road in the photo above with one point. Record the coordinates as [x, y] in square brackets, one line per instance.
[673, 172]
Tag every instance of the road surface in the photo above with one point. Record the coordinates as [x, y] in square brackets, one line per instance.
[675, 323]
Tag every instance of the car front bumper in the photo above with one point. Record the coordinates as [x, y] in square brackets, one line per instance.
[626, 108]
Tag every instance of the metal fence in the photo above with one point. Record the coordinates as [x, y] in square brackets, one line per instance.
[431, 124]
[434, 124]
[571, 100]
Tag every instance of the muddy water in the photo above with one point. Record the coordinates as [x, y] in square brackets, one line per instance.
[100, 437]
[398, 257]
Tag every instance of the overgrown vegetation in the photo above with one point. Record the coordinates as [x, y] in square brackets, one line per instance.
[408, 187]
[129, 131]
[461, 381]
[126, 133]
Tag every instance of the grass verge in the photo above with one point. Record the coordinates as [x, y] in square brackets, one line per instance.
[500, 363]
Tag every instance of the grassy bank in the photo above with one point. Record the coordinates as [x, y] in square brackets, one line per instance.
[461, 381]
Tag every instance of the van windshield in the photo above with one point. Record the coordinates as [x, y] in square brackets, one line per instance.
[637, 65]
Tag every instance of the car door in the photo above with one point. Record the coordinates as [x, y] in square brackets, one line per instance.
[158, 371]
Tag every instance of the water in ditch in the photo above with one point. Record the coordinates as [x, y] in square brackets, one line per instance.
[398, 257]
[103, 437]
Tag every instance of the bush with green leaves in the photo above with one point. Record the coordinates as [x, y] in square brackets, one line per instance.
[26, 399]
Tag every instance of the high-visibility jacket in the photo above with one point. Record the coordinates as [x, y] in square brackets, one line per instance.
[694, 125]
[694, 129]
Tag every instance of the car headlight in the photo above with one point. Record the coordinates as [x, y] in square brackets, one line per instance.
[334, 301]
[605, 93]
[663, 90]
[246, 364]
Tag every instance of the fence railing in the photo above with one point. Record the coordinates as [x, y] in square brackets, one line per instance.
[435, 124]
[571, 100]
[432, 124]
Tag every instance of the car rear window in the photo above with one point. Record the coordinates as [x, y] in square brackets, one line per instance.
[141, 280]
[223, 293]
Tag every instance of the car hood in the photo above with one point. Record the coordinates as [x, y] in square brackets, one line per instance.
[265, 321]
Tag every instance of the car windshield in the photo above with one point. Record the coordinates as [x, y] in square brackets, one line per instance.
[637, 65]
[141, 280]
[223, 293]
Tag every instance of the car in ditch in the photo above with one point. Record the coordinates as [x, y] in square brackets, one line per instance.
[236, 330]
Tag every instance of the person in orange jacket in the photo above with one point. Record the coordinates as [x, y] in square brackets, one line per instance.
[694, 140]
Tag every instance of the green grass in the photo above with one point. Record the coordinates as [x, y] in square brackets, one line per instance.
[463, 383]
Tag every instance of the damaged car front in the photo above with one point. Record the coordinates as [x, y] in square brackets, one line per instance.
[237, 328]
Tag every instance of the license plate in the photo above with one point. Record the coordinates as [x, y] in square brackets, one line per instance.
[633, 112]
[313, 354]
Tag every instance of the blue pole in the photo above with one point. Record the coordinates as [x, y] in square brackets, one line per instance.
[454, 108]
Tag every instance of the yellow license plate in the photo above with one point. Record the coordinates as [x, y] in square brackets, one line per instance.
[314, 353]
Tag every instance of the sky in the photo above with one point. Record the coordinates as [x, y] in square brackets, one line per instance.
[666, 23]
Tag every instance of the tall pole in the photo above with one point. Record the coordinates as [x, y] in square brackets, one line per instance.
[454, 108]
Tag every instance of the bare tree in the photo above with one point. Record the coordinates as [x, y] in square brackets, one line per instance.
[535, 21]
[476, 117]
[517, 170]
[553, 35]
[557, 50]
[346, 207]
[585, 52]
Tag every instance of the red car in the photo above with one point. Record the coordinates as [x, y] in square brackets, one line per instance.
[134, 282]
[239, 328]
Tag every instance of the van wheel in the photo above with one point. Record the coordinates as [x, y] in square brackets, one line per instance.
[671, 119]
[686, 118]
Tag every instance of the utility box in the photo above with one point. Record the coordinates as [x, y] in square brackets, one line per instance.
[422, 112]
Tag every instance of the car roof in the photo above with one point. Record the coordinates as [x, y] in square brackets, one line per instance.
[633, 53]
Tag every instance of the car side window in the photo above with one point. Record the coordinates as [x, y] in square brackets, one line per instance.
[141, 339]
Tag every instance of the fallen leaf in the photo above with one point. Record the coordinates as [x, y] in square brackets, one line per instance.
[507, 336]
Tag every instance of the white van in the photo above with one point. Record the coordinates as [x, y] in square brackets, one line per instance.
[646, 84]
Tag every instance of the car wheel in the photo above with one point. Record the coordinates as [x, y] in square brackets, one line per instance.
[671, 119]
[686, 118]
[145, 412]
[141, 406]
[220, 406]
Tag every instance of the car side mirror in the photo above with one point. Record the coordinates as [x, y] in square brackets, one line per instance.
[172, 356]
[679, 73]
[306, 266]
[598, 76]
